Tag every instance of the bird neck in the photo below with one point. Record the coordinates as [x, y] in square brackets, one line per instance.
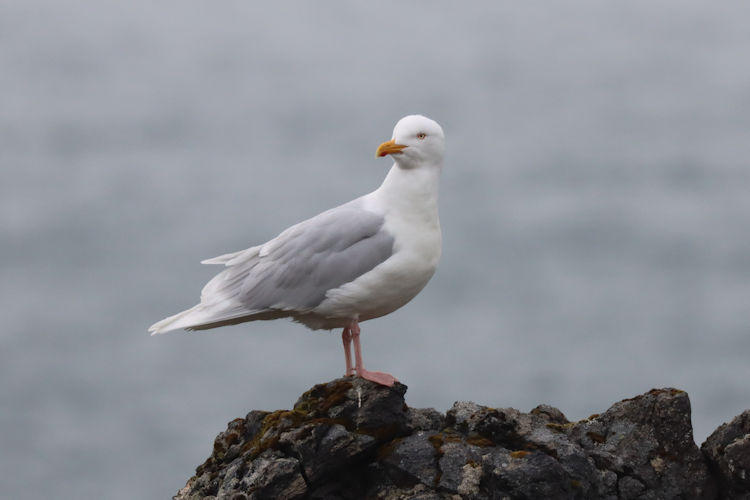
[412, 189]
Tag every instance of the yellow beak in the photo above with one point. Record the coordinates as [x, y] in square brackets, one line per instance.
[389, 148]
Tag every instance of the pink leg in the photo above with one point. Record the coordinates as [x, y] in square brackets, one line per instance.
[346, 337]
[377, 377]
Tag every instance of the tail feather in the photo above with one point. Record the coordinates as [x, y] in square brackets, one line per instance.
[175, 322]
[201, 317]
[198, 316]
[230, 259]
[219, 299]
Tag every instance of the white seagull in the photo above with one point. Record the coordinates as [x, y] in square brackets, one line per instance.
[361, 260]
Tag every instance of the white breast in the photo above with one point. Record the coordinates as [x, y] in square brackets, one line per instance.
[408, 202]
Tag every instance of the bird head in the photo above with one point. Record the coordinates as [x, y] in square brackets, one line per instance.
[416, 140]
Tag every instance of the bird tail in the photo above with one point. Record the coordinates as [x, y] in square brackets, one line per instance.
[202, 317]
[219, 304]
[205, 316]
[222, 259]
[234, 258]
[184, 319]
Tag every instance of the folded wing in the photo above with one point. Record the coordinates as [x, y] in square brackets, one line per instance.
[290, 274]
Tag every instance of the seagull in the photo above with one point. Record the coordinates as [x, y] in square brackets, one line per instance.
[358, 261]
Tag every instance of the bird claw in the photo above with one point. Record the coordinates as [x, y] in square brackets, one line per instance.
[381, 378]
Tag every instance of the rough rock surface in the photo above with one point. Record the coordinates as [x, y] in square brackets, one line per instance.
[728, 452]
[352, 439]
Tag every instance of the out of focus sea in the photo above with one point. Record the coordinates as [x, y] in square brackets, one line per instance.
[595, 206]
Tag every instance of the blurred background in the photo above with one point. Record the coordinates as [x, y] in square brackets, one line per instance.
[595, 207]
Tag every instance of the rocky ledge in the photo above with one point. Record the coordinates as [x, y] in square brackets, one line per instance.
[352, 439]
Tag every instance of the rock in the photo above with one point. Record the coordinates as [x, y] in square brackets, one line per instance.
[351, 439]
[424, 419]
[411, 460]
[647, 441]
[316, 448]
[728, 453]
[322, 449]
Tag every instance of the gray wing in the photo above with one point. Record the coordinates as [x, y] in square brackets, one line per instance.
[294, 271]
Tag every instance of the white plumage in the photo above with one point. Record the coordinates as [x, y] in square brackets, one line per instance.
[355, 262]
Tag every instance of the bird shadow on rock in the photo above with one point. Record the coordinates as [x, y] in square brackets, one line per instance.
[351, 439]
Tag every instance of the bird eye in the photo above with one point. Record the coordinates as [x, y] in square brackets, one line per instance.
[421, 135]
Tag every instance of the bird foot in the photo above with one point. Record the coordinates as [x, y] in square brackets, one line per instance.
[381, 378]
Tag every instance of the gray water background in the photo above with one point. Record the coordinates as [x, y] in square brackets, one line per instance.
[595, 208]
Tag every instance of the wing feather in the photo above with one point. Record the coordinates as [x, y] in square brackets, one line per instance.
[291, 273]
